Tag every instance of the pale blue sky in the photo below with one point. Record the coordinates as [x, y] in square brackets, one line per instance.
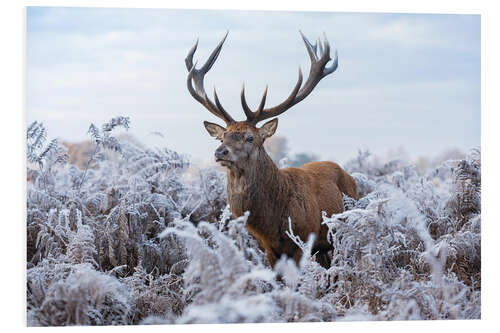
[404, 80]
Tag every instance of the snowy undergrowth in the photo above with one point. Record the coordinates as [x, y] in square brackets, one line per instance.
[142, 237]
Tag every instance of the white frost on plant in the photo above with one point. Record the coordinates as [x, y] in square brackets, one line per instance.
[141, 236]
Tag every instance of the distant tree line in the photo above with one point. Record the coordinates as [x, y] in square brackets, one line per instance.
[277, 147]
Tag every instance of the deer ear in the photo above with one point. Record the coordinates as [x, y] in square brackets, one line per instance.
[268, 128]
[214, 130]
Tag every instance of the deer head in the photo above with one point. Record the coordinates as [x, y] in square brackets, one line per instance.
[242, 141]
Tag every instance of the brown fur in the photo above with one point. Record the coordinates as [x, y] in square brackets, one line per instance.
[272, 195]
[255, 184]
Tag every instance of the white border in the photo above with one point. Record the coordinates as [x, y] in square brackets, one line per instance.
[12, 20]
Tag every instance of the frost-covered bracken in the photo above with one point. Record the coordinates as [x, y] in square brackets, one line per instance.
[141, 236]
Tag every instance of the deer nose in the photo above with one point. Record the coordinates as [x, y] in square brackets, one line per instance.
[221, 153]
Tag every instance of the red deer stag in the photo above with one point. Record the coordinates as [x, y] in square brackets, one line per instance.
[254, 182]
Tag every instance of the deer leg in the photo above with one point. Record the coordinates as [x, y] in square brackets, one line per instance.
[270, 254]
[271, 257]
[324, 259]
[297, 256]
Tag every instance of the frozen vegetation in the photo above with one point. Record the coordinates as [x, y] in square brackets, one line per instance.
[140, 236]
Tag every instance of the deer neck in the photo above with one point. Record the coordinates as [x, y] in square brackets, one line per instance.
[255, 187]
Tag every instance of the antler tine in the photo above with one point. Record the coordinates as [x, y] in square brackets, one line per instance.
[251, 116]
[248, 112]
[320, 47]
[334, 65]
[213, 56]
[192, 90]
[262, 103]
[319, 53]
[197, 76]
[311, 49]
[189, 57]
[221, 109]
[327, 46]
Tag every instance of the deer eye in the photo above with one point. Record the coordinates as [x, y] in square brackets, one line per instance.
[250, 139]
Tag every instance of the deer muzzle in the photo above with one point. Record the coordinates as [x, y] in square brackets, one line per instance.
[221, 153]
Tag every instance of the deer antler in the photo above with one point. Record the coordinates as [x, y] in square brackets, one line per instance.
[320, 56]
[197, 76]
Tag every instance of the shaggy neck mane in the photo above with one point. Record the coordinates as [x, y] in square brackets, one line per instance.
[257, 186]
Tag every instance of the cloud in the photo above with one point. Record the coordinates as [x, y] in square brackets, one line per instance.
[399, 75]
